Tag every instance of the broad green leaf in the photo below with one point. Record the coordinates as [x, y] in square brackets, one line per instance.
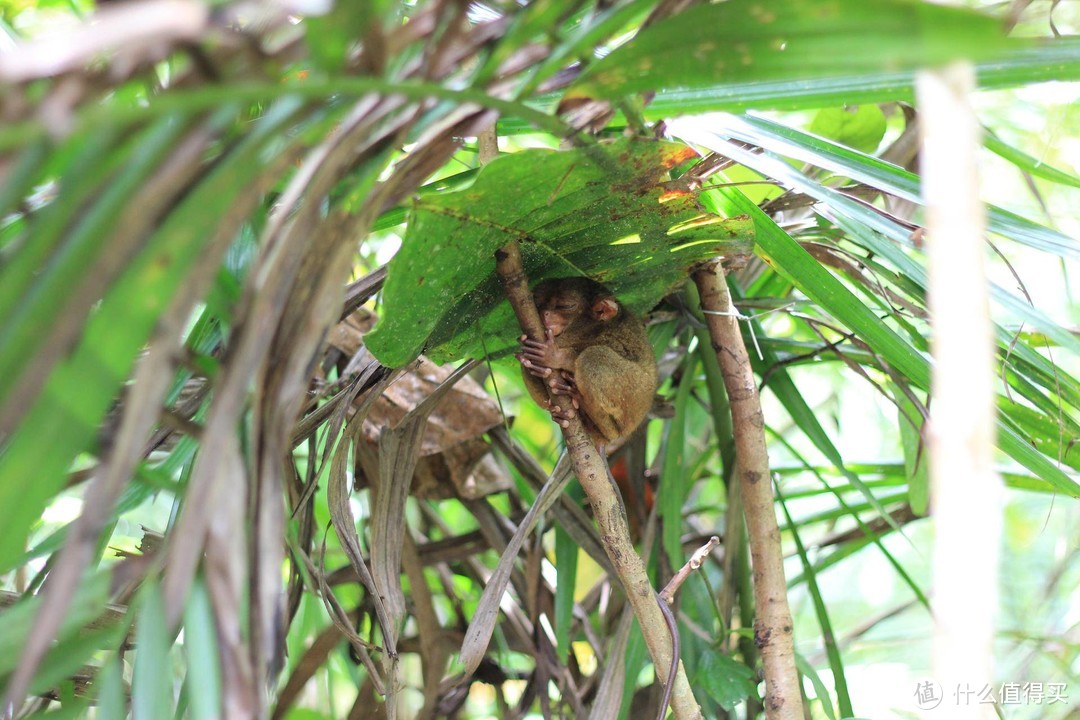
[601, 212]
[754, 41]
[1022, 62]
[857, 126]
[725, 680]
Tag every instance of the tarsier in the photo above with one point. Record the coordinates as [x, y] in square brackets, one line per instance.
[596, 352]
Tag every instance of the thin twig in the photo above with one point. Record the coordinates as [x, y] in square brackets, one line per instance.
[695, 562]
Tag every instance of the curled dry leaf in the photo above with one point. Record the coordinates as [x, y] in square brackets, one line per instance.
[455, 460]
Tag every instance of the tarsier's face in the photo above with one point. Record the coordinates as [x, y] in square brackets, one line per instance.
[559, 317]
[558, 310]
[567, 302]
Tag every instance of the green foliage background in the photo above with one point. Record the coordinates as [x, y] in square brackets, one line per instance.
[182, 215]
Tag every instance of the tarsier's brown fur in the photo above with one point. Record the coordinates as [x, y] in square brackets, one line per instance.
[596, 351]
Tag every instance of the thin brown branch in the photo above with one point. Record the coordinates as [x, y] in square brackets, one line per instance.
[772, 625]
[309, 663]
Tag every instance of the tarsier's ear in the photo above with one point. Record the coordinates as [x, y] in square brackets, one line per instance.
[605, 308]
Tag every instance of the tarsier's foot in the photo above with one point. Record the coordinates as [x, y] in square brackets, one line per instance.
[562, 383]
[562, 417]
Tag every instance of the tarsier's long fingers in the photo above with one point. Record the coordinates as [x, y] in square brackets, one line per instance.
[534, 349]
[549, 339]
[534, 368]
[547, 344]
[536, 355]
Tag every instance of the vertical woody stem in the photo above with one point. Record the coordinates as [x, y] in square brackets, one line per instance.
[772, 625]
[966, 492]
[591, 469]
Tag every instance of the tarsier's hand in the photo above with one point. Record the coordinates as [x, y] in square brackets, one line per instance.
[544, 360]
[541, 357]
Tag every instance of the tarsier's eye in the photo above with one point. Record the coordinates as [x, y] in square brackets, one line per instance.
[565, 306]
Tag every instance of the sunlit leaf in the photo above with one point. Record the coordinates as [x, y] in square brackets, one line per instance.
[751, 41]
[1022, 62]
[601, 212]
